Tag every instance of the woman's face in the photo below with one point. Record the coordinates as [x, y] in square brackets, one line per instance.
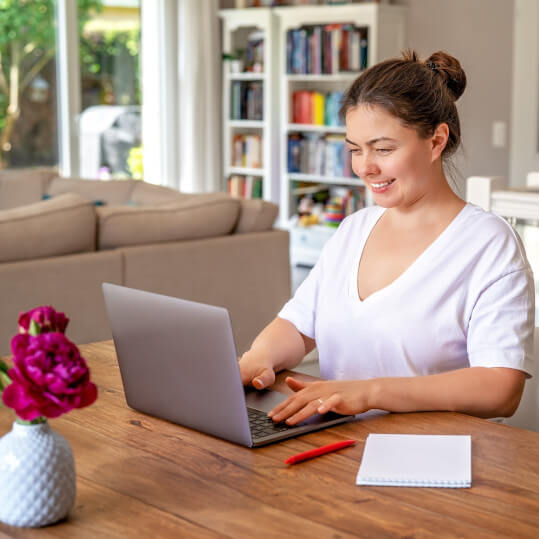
[393, 161]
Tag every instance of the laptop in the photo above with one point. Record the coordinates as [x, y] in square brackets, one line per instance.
[178, 362]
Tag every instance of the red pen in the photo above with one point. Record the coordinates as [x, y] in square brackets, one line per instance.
[318, 451]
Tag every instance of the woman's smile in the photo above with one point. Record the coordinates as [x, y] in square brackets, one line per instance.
[381, 187]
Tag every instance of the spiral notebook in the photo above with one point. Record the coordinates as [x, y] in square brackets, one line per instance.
[416, 460]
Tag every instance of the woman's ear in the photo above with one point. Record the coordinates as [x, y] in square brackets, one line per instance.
[439, 140]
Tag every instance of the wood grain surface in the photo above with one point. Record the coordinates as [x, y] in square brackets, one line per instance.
[138, 476]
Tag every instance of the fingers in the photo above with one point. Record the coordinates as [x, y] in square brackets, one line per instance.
[255, 371]
[329, 404]
[294, 384]
[294, 410]
[264, 379]
[305, 403]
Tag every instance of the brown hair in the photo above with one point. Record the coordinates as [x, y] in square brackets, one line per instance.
[421, 94]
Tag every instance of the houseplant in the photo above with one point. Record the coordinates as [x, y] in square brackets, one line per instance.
[48, 378]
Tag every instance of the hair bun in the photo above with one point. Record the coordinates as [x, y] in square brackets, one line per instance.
[451, 71]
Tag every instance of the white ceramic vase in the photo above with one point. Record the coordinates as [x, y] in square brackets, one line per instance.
[37, 476]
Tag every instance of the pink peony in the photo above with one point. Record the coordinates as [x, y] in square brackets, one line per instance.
[42, 320]
[49, 377]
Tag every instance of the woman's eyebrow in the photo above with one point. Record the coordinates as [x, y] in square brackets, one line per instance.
[372, 141]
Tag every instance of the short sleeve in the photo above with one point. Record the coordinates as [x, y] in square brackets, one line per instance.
[301, 309]
[500, 332]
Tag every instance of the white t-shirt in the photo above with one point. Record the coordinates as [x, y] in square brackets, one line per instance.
[467, 300]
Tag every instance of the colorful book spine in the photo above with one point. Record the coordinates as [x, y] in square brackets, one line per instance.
[247, 151]
[316, 108]
[247, 101]
[249, 187]
[328, 49]
[319, 155]
[293, 154]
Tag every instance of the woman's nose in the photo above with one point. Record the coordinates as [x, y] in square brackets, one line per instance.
[365, 166]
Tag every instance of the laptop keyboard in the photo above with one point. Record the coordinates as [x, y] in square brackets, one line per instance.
[262, 425]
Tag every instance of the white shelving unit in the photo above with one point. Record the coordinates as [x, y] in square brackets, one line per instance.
[238, 24]
[385, 26]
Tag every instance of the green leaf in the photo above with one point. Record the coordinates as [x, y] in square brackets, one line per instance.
[5, 380]
[3, 366]
[34, 329]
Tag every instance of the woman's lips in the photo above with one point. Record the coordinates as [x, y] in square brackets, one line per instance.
[382, 187]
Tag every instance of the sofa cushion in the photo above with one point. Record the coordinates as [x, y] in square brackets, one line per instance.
[145, 193]
[61, 225]
[191, 217]
[255, 216]
[19, 187]
[106, 191]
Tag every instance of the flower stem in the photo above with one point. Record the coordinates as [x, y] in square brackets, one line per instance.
[36, 421]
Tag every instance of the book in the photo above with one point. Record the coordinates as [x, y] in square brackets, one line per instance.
[416, 460]
[317, 108]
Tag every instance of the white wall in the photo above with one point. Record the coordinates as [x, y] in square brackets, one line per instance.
[480, 34]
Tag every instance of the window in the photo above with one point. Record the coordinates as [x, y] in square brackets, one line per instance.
[27, 84]
[109, 124]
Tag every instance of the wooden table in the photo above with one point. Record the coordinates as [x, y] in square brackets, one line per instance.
[143, 477]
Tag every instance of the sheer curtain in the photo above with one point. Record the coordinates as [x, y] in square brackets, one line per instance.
[199, 96]
[181, 81]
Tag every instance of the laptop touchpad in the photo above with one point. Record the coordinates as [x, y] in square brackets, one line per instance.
[263, 399]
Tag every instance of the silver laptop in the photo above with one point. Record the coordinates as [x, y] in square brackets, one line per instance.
[178, 362]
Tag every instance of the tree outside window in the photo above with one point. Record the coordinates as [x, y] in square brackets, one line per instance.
[109, 48]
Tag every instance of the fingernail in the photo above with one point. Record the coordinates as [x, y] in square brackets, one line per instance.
[270, 414]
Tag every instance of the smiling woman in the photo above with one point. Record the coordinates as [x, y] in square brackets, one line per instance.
[422, 302]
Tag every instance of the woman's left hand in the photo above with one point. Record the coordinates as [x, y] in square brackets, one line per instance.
[340, 396]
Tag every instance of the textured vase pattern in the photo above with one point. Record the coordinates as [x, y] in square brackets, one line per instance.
[37, 476]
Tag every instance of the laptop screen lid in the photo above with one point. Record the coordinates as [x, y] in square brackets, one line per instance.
[178, 361]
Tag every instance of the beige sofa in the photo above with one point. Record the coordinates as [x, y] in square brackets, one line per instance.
[61, 238]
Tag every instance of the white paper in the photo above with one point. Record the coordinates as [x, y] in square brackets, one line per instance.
[416, 460]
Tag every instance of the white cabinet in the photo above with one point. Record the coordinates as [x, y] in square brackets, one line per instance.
[372, 33]
[250, 97]
[349, 38]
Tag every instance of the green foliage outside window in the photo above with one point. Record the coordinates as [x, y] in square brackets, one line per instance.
[28, 48]
[134, 163]
[27, 45]
[98, 51]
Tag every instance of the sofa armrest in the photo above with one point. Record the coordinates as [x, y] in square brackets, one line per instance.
[255, 216]
[62, 225]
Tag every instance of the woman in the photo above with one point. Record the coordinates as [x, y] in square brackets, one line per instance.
[422, 302]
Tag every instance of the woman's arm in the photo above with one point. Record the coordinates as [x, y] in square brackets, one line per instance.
[279, 346]
[479, 391]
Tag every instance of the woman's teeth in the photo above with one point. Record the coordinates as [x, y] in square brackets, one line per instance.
[383, 184]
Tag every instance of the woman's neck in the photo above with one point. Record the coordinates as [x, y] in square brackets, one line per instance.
[439, 204]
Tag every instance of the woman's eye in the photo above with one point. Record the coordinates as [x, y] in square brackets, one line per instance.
[353, 151]
[384, 150]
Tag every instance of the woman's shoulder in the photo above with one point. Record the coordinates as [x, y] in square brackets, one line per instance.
[490, 234]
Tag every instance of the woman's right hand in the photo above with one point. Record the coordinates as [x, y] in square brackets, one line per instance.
[256, 369]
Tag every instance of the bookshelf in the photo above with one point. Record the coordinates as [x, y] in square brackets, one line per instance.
[250, 96]
[311, 151]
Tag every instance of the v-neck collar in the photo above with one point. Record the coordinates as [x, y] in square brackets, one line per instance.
[353, 288]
